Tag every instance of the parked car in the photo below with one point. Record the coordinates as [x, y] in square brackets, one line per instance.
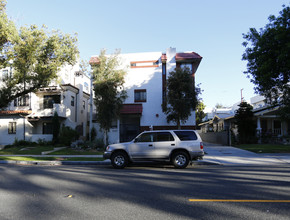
[176, 146]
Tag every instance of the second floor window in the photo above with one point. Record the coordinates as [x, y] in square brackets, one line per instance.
[49, 100]
[72, 101]
[140, 95]
[22, 101]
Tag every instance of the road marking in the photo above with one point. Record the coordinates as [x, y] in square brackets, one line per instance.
[235, 200]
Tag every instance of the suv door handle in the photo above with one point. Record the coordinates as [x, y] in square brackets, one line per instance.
[150, 145]
[172, 144]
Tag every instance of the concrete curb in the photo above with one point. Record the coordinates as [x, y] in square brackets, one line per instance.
[59, 163]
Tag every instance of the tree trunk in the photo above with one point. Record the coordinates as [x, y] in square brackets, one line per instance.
[178, 124]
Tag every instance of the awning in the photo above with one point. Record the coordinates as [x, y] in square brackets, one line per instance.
[132, 109]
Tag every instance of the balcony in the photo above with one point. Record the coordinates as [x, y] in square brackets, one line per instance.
[61, 110]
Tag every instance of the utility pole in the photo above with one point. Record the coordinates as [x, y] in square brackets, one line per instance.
[242, 95]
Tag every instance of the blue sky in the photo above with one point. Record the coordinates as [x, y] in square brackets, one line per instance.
[210, 28]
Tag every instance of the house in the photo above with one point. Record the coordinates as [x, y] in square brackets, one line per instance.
[145, 84]
[30, 117]
[270, 127]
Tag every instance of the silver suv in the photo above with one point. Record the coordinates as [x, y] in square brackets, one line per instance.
[177, 146]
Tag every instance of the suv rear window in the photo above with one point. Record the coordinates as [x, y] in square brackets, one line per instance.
[186, 135]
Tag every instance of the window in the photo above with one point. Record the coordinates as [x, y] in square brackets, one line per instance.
[186, 65]
[84, 105]
[146, 137]
[4, 74]
[22, 101]
[86, 85]
[140, 95]
[49, 100]
[164, 136]
[12, 128]
[47, 128]
[186, 135]
[72, 101]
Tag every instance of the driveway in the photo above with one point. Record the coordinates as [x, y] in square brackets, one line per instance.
[227, 155]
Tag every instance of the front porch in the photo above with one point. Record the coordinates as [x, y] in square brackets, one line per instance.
[271, 128]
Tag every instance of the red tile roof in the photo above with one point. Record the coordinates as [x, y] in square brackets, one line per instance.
[187, 56]
[132, 109]
[16, 112]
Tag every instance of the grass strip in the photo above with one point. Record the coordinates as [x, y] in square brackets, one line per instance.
[265, 148]
[50, 158]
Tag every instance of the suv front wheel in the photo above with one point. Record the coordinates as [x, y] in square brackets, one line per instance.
[180, 159]
[119, 160]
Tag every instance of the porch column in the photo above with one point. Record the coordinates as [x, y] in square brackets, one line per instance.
[259, 129]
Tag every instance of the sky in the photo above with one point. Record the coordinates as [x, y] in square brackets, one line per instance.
[211, 28]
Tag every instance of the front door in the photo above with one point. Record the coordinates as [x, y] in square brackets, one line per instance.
[129, 127]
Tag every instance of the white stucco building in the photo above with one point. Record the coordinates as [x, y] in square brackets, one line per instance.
[30, 117]
[145, 84]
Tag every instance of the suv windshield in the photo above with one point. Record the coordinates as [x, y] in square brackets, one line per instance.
[186, 135]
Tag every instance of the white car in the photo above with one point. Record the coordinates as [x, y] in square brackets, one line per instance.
[177, 146]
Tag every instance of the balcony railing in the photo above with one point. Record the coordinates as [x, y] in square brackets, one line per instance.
[61, 110]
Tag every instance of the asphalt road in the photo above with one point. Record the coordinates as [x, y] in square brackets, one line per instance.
[139, 192]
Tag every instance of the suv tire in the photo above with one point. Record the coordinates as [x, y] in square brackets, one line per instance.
[180, 159]
[119, 160]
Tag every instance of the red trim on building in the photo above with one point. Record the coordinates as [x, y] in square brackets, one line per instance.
[163, 58]
[132, 109]
[16, 112]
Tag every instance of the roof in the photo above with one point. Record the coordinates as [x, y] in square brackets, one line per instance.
[131, 109]
[15, 112]
[187, 56]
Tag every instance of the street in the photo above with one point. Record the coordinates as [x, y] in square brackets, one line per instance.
[144, 192]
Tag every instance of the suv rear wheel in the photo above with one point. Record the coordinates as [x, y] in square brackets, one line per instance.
[119, 160]
[180, 159]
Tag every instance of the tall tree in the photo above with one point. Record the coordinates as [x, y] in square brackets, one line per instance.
[37, 57]
[108, 80]
[246, 125]
[8, 35]
[268, 55]
[181, 96]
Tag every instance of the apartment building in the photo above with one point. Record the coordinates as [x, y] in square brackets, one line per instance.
[30, 117]
[145, 84]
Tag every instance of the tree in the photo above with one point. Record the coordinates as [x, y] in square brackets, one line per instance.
[8, 35]
[199, 114]
[246, 124]
[268, 54]
[37, 57]
[108, 82]
[181, 96]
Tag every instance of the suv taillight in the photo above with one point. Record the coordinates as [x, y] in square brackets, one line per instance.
[201, 145]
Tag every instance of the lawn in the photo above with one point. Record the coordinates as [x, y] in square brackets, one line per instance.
[265, 148]
[25, 150]
[50, 158]
[37, 150]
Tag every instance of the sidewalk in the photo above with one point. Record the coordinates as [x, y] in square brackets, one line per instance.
[214, 155]
[227, 155]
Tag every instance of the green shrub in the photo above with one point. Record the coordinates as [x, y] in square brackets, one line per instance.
[67, 135]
